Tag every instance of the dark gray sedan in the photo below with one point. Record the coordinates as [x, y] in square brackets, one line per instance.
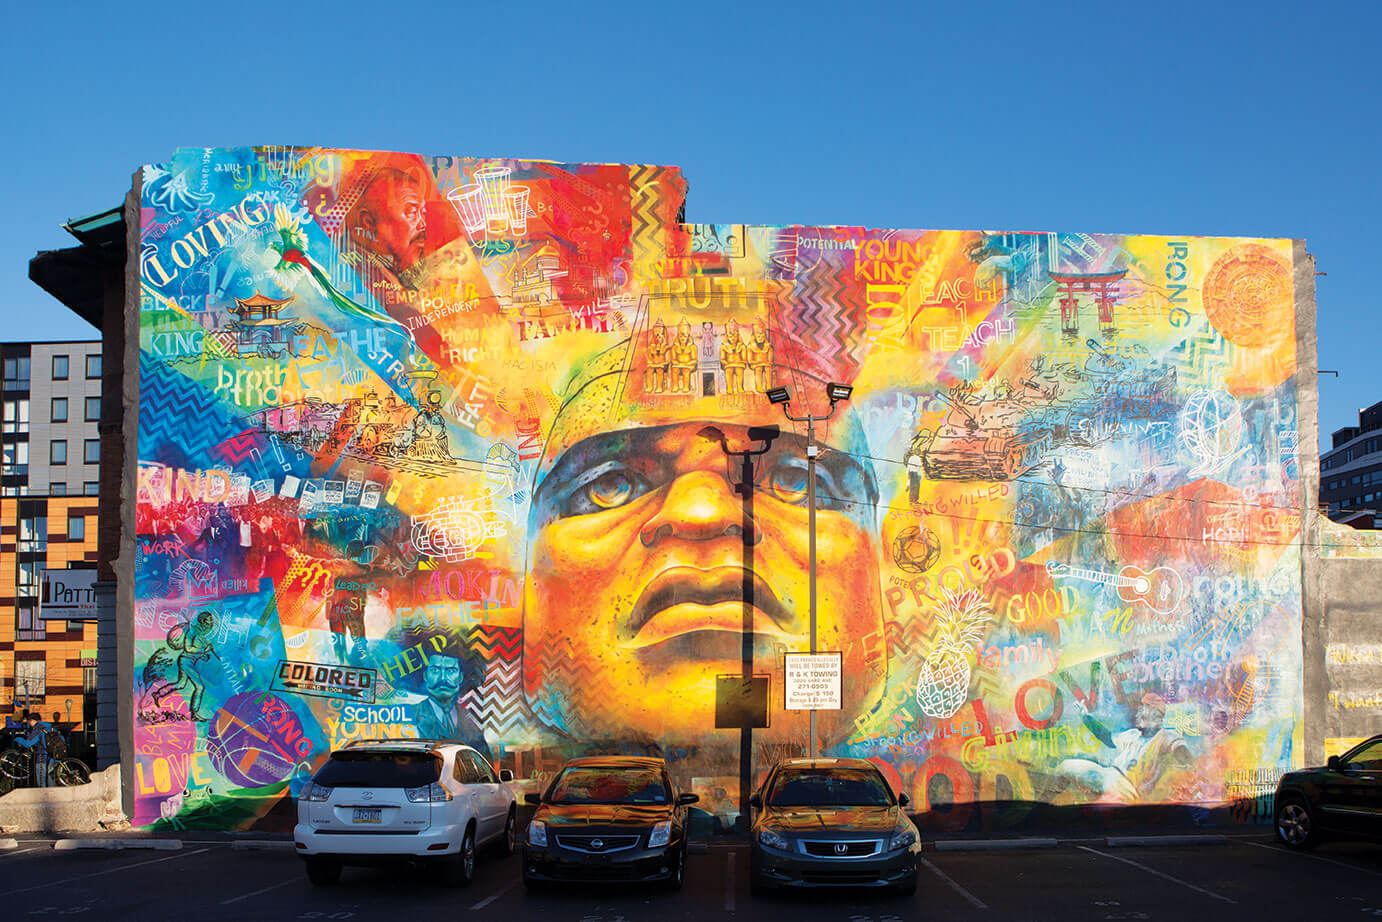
[831, 823]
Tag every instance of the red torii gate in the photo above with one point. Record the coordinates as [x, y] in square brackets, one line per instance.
[1102, 284]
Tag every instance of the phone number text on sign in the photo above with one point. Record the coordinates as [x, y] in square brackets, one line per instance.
[813, 681]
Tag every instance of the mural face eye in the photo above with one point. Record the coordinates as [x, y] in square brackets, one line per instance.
[787, 482]
[608, 486]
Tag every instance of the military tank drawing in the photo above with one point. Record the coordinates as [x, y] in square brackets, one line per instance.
[1112, 389]
[994, 439]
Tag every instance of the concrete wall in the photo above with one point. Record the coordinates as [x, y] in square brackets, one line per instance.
[477, 449]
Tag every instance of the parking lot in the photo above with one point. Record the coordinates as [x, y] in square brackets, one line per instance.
[1242, 877]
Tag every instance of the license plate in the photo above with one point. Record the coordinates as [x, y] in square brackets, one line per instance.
[366, 814]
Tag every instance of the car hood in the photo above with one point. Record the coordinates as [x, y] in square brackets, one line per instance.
[833, 819]
[567, 816]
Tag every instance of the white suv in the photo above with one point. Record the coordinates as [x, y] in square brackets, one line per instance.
[380, 800]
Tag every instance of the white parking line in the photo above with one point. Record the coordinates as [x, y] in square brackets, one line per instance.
[32, 848]
[729, 882]
[973, 900]
[1342, 864]
[1153, 871]
[245, 896]
[494, 896]
[123, 867]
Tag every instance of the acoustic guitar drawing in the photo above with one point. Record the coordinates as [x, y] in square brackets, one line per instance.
[1160, 589]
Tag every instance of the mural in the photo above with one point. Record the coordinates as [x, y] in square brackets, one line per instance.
[479, 449]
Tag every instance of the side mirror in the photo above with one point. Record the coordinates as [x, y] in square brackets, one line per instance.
[534, 799]
[1334, 764]
[756, 801]
[505, 775]
[688, 799]
[903, 800]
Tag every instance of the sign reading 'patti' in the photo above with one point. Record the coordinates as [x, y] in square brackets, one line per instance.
[813, 681]
[68, 595]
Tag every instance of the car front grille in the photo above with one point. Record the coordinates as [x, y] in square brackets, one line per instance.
[817, 877]
[586, 843]
[852, 848]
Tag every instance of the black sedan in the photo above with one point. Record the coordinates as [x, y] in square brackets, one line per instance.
[831, 822]
[1342, 799]
[608, 818]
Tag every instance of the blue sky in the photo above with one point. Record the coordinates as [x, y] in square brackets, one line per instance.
[1213, 118]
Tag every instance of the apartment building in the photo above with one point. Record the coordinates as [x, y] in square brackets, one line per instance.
[49, 485]
[1351, 471]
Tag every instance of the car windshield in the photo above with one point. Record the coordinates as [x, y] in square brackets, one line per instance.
[829, 787]
[353, 769]
[579, 785]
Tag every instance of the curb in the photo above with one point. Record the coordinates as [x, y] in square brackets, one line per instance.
[250, 845]
[162, 845]
[1133, 841]
[983, 845]
[7, 844]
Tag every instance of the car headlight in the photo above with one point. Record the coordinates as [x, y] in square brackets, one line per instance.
[315, 793]
[771, 839]
[903, 839]
[661, 835]
[537, 833]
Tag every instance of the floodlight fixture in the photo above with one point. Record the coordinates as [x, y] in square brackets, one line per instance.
[838, 391]
[778, 395]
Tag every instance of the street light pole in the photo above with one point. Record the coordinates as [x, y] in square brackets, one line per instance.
[781, 395]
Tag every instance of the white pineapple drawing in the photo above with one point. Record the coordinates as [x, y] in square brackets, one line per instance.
[943, 684]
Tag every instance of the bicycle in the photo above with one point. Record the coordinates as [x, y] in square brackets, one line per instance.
[64, 772]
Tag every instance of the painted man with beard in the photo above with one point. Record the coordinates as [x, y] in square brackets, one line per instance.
[636, 586]
[390, 223]
[442, 714]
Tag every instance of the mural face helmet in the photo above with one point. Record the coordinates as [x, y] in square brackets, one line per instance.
[659, 334]
[684, 331]
[732, 333]
[760, 332]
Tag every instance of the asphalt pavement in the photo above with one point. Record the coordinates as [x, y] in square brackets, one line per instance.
[1237, 877]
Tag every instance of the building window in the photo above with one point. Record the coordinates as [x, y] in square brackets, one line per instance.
[17, 373]
[93, 409]
[57, 451]
[93, 366]
[59, 368]
[30, 677]
[27, 624]
[76, 528]
[33, 536]
[57, 489]
[91, 451]
[16, 458]
[28, 579]
[58, 413]
[91, 488]
[16, 416]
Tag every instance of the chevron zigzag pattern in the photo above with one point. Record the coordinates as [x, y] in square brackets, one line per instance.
[180, 419]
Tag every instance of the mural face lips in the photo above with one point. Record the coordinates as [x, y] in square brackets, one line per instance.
[682, 600]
